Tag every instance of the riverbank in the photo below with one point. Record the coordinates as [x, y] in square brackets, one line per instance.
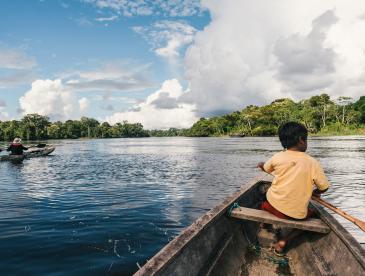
[340, 130]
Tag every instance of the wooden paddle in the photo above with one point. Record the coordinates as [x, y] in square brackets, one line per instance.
[356, 221]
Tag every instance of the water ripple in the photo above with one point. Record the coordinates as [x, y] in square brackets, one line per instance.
[104, 206]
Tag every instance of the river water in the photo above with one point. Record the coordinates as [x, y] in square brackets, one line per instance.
[106, 206]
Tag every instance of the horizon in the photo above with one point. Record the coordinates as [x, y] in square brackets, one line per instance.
[166, 64]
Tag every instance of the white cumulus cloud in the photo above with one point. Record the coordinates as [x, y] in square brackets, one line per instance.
[161, 110]
[51, 98]
[252, 53]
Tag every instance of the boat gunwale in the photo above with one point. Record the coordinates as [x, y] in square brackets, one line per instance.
[168, 253]
[345, 236]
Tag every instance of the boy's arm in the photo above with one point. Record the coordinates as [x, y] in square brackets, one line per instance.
[267, 166]
[320, 180]
[260, 165]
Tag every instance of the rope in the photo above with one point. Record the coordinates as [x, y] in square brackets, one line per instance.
[282, 261]
[233, 206]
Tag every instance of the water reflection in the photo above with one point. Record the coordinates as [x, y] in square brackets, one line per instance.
[102, 206]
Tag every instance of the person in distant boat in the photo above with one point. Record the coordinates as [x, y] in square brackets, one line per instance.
[16, 147]
[296, 174]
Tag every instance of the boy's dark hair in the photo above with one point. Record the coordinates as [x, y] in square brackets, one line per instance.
[290, 133]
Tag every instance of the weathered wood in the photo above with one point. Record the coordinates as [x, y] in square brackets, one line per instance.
[356, 221]
[216, 244]
[314, 225]
[173, 259]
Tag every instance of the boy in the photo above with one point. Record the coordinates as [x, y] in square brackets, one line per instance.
[295, 174]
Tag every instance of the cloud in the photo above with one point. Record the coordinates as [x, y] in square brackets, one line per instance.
[164, 101]
[167, 37]
[4, 116]
[16, 67]
[15, 59]
[83, 22]
[106, 19]
[305, 64]
[252, 54]
[53, 99]
[170, 8]
[16, 77]
[112, 76]
[160, 109]
[84, 104]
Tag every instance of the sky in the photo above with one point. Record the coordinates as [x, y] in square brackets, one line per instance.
[166, 63]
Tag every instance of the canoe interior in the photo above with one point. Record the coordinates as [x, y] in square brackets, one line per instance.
[219, 245]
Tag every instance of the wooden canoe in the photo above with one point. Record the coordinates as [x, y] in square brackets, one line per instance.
[37, 152]
[218, 244]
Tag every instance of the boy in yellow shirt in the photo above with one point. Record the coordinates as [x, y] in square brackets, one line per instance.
[295, 175]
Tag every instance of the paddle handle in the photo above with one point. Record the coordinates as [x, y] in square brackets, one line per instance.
[359, 223]
[333, 208]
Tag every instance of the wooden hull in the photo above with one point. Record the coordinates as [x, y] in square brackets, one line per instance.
[38, 152]
[216, 244]
[12, 158]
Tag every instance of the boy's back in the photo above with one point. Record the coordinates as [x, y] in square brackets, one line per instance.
[295, 174]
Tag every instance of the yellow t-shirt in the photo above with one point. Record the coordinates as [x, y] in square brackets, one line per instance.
[295, 174]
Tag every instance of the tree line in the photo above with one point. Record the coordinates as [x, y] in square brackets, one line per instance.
[37, 127]
[319, 114]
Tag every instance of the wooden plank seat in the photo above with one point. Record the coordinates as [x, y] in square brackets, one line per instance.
[311, 224]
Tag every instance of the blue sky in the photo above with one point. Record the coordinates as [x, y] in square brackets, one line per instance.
[166, 63]
[59, 38]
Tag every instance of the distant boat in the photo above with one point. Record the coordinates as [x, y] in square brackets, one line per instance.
[34, 151]
[39, 150]
[226, 241]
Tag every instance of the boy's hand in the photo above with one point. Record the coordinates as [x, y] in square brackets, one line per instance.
[317, 193]
[261, 166]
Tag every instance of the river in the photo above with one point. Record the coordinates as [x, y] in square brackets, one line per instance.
[106, 206]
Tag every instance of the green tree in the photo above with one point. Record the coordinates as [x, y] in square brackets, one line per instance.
[88, 127]
[34, 126]
[360, 107]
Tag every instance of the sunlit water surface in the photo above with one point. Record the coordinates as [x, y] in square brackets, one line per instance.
[106, 206]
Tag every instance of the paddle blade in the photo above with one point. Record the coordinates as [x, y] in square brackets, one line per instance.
[361, 224]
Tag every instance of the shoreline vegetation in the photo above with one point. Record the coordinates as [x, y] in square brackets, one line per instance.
[320, 114]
